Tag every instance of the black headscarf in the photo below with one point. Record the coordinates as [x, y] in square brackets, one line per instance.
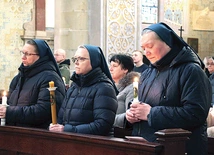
[170, 37]
[44, 50]
[45, 54]
[98, 60]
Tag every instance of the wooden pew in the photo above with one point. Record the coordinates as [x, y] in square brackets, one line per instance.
[28, 141]
[210, 146]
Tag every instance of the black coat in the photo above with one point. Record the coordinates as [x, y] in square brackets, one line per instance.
[179, 93]
[29, 98]
[211, 77]
[90, 105]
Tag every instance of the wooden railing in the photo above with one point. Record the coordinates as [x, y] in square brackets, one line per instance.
[210, 146]
[25, 141]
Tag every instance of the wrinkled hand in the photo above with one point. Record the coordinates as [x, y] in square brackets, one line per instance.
[56, 127]
[2, 111]
[140, 111]
[131, 117]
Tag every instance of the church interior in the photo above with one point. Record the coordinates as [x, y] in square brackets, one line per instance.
[115, 26]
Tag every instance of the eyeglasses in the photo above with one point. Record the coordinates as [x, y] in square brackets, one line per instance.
[27, 54]
[78, 59]
[210, 64]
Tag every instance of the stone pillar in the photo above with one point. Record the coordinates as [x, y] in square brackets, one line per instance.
[40, 15]
[36, 27]
[71, 25]
[115, 26]
[96, 26]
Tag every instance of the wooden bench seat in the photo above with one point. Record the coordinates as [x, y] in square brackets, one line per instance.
[210, 146]
[27, 141]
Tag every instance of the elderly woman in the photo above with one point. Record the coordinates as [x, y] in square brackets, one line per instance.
[174, 92]
[29, 98]
[90, 104]
[209, 64]
[121, 67]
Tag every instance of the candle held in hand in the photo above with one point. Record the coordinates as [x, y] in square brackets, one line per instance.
[4, 103]
[53, 102]
[4, 98]
[135, 89]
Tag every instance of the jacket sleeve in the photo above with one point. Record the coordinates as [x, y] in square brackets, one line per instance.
[212, 83]
[120, 118]
[13, 84]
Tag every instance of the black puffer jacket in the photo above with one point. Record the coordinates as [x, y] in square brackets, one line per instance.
[179, 93]
[90, 104]
[29, 98]
[211, 77]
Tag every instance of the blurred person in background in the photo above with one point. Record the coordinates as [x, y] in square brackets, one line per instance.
[64, 65]
[138, 57]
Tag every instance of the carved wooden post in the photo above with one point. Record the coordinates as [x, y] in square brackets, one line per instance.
[173, 140]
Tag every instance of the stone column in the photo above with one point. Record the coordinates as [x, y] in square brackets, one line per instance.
[36, 27]
[71, 25]
[96, 18]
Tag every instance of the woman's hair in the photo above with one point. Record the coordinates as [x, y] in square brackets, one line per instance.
[33, 43]
[206, 60]
[145, 31]
[125, 61]
[81, 46]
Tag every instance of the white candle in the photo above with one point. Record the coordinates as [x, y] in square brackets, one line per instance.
[4, 102]
[4, 99]
[135, 84]
[135, 89]
[63, 78]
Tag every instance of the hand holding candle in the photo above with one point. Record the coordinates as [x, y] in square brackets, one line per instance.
[53, 103]
[3, 108]
[4, 98]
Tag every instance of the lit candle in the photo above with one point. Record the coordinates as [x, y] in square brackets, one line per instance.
[51, 84]
[4, 103]
[53, 103]
[135, 89]
[4, 98]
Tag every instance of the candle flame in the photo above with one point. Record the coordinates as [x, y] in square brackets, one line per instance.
[4, 93]
[51, 84]
[136, 79]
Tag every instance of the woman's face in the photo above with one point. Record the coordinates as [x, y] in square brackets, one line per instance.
[82, 61]
[154, 49]
[117, 72]
[29, 56]
[210, 65]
